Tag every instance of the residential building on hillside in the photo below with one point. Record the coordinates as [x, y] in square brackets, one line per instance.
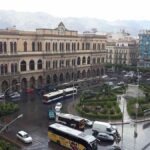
[49, 56]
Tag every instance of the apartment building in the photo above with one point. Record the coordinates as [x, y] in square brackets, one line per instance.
[122, 50]
[49, 56]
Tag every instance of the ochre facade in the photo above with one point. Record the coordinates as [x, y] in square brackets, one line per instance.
[49, 56]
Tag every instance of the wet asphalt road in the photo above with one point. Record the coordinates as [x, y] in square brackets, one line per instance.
[35, 122]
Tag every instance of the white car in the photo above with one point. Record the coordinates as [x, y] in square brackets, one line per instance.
[104, 76]
[24, 137]
[58, 107]
[120, 83]
[2, 96]
[15, 95]
[88, 122]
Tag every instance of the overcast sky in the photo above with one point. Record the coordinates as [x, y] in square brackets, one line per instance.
[102, 9]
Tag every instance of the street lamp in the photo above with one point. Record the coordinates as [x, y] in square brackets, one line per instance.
[122, 122]
[73, 79]
[136, 113]
[6, 126]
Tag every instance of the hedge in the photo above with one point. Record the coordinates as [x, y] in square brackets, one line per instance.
[6, 146]
[8, 108]
[98, 116]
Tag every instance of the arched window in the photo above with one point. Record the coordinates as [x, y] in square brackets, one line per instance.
[78, 61]
[2, 69]
[49, 46]
[88, 60]
[31, 65]
[6, 68]
[12, 68]
[78, 46]
[33, 46]
[82, 46]
[55, 64]
[54, 46]
[94, 61]
[25, 46]
[5, 47]
[15, 65]
[103, 46]
[98, 60]
[83, 60]
[15, 47]
[102, 59]
[73, 62]
[23, 66]
[99, 46]
[1, 47]
[11, 47]
[39, 46]
[39, 64]
[46, 46]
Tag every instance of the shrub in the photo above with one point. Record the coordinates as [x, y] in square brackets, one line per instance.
[6, 146]
[8, 108]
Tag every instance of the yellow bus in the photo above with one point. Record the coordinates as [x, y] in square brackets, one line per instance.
[71, 138]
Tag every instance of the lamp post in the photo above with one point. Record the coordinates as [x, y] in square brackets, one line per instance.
[73, 79]
[136, 113]
[122, 122]
[6, 126]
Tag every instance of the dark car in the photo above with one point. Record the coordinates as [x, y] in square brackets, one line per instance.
[29, 90]
[114, 147]
[105, 137]
[51, 114]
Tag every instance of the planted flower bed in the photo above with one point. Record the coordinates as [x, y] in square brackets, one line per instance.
[99, 106]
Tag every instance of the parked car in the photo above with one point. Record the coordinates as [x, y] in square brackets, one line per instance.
[120, 83]
[114, 147]
[88, 122]
[103, 127]
[51, 114]
[115, 87]
[29, 90]
[24, 137]
[58, 106]
[15, 95]
[104, 76]
[2, 95]
[105, 137]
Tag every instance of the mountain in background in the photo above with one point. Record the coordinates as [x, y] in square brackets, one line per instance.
[31, 21]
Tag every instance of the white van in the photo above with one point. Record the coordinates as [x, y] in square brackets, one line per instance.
[103, 127]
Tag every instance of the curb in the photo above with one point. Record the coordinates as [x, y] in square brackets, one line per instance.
[128, 122]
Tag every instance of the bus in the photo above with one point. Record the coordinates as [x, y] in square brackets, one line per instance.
[68, 85]
[71, 121]
[71, 138]
[70, 91]
[59, 94]
[53, 96]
